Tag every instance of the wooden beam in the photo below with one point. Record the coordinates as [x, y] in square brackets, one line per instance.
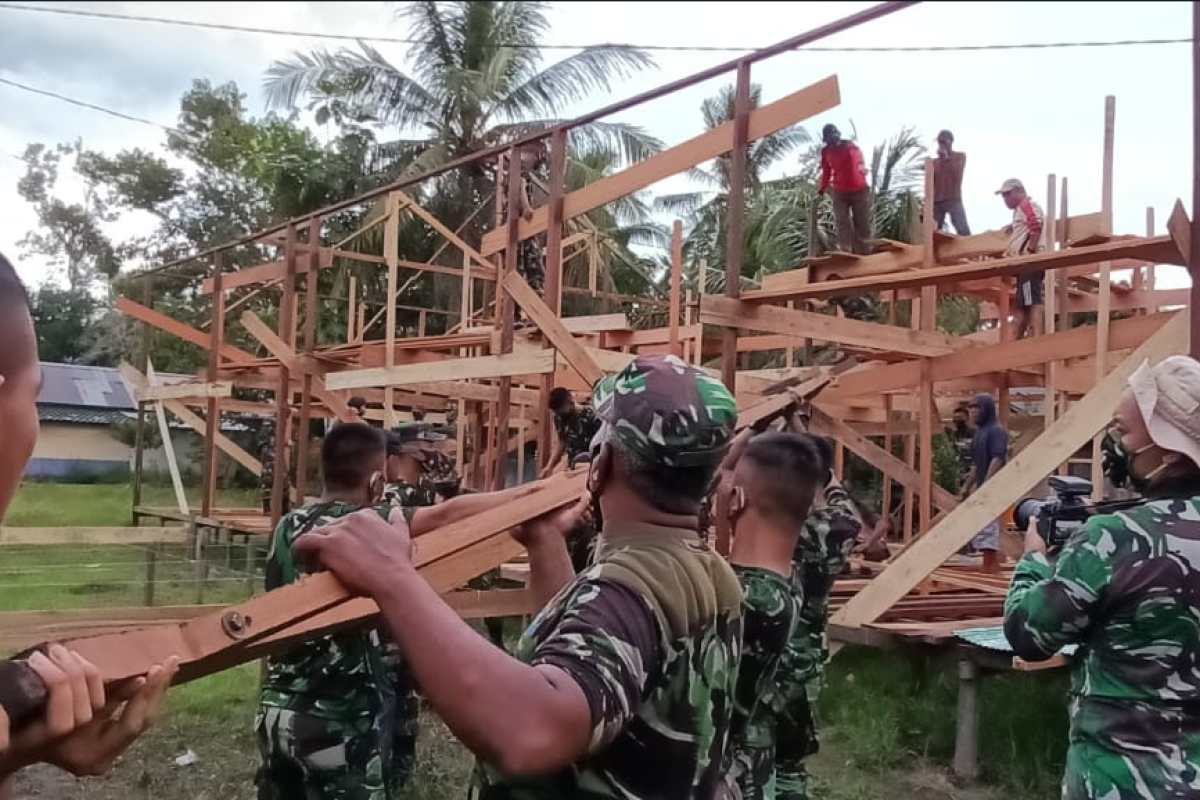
[552, 329]
[286, 355]
[1160, 249]
[187, 390]
[715, 310]
[1074, 429]
[176, 328]
[454, 369]
[1011, 355]
[769, 119]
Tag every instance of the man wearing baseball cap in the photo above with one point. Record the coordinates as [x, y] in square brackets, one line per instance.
[1126, 588]
[1025, 238]
[621, 686]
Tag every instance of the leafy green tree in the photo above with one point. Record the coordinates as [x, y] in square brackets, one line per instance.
[478, 80]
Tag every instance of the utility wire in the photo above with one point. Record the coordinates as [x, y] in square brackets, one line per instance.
[345, 37]
[90, 106]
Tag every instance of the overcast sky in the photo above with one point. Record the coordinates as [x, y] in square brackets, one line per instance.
[1022, 113]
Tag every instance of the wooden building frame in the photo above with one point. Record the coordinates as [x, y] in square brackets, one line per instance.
[903, 379]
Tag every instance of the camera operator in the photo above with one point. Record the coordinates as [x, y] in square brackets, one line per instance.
[1126, 589]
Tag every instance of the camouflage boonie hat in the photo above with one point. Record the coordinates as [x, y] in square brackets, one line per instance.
[667, 412]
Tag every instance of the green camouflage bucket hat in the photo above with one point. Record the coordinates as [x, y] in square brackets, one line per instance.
[666, 412]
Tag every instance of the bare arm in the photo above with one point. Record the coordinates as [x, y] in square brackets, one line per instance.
[430, 518]
[539, 723]
[993, 468]
[560, 449]
[550, 567]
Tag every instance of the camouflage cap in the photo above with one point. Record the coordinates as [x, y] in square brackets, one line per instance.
[667, 412]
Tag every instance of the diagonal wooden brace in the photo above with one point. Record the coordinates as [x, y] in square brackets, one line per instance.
[287, 356]
[552, 328]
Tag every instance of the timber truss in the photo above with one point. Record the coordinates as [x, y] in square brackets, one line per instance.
[898, 385]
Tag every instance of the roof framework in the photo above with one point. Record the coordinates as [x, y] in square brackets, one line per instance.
[900, 383]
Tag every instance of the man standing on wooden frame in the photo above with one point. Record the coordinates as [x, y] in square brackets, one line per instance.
[947, 185]
[843, 168]
[1025, 238]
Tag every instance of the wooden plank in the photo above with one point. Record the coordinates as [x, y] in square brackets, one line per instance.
[877, 457]
[769, 119]
[1075, 343]
[176, 328]
[724, 311]
[1160, 249]
[454, 369]
[186, 390]
[281, 350]
[547, 322]
[193, 421]
[1021, 474]
[76, 536]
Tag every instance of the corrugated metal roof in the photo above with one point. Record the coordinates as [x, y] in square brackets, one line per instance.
[77, 415]
[994, 639]
[89, 387]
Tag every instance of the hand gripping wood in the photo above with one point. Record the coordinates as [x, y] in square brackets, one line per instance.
[315, 606]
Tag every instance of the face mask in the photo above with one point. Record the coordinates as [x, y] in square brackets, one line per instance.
[1141, 483]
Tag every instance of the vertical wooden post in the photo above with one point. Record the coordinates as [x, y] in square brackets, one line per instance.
[139, 446]
[351, 310]
[212, 423]
[1104, 306]
[1150, 282]
[888, 425]
[554, 282]
[1050, 384]
[676, 282]
[498, 424]
[312, 282]
[927, 410]
[735, 226]
[283, 394]
[391, 254]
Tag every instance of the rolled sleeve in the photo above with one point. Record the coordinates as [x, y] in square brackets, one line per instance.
[607, 639]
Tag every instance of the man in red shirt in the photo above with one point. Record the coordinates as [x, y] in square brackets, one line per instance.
[842, 166]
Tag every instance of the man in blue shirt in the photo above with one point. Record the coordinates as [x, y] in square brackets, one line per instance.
[989, 451]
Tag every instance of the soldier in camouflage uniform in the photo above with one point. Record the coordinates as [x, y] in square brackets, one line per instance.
[821, 554]
[767, 489]
[575, 426]
[1125, 589]
[317, 726]
[622, 686]
[531, 259]
[407, 485]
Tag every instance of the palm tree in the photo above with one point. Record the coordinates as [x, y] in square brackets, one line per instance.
[706, 211]
[477, 80]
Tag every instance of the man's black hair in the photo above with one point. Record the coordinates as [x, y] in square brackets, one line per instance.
[357, 402]
[787, 470]
[559, 396]
[677, 490]
[349, 454]
[824, 447]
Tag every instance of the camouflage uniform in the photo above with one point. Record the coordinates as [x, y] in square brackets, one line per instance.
[821, 554]
[531, 259]
[400, 711]
[266, 456]
[769, 614]
[317, 722]
[1126, 588]
[651, 632]
[576, 431]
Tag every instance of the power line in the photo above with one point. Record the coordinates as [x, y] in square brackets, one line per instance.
[90, 106]
[344, 37]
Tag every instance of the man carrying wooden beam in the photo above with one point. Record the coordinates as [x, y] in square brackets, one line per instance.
[574, 426]
[82, 729]
[620, 687]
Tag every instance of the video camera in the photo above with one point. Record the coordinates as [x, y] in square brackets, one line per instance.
[1062, 515]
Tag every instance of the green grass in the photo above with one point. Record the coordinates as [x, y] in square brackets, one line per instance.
[100, 505]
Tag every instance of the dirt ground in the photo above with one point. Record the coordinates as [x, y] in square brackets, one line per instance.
[225, 766]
